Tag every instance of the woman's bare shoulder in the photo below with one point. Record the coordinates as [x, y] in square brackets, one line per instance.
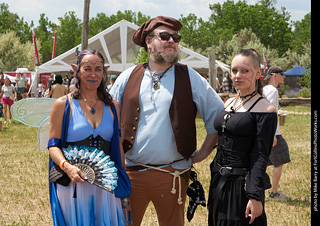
[264, 106]
[228, 102]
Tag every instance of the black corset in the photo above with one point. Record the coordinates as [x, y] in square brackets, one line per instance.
[97, 142]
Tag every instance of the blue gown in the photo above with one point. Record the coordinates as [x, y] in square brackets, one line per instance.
[92, 205]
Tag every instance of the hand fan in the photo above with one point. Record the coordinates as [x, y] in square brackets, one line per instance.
[95, 164]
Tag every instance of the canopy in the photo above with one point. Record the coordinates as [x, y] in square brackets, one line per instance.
[297, 71]
[11, 78]
[116, 45]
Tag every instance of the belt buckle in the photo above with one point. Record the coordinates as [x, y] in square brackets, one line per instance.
[225, 171]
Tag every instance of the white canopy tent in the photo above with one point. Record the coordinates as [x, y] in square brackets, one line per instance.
[116, 45]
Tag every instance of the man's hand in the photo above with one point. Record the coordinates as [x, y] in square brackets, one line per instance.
[206, 148]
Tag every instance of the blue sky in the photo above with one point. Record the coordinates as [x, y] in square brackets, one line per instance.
[31, 9]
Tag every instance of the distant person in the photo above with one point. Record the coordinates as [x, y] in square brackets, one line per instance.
[280, 153]
[1, 79]
[1, 114]
[50, 81]
[70, 78]
[227, 83]
[113, 78]
[218, 85]
[58, 89]
[224, 97]
[40, 89]
[8, 95]
[22, 85]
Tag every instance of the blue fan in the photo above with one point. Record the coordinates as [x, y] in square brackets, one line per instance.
[97, 167]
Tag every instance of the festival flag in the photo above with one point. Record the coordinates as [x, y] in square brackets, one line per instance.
[265, 63]
[35, 50]
[54, 43]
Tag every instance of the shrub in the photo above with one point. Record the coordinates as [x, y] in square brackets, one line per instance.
[284, 89]
[291, 94]
[305, 92]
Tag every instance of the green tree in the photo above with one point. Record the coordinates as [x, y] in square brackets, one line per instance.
[14, 54]
[196, 33]
[12, 22]
[244, 39]
[68, 32]
[271, 26]
[301, 34]
[44, 32]
[142, 56]
[102, 21]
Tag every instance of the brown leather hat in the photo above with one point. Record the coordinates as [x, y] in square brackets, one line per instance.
[146, 28]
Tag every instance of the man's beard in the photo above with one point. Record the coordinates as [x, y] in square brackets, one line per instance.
[161, 57]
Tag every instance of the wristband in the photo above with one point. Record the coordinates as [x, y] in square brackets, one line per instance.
[62, 162]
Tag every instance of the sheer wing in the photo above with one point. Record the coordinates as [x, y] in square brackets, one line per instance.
[43, 135]
[35, 112]
[32, 111]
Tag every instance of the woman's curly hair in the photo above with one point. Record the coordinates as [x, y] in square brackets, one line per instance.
[102, 90]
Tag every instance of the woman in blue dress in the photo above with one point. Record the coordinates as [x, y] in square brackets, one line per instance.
[88, 117]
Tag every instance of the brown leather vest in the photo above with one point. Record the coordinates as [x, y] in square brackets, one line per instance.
[182, 110]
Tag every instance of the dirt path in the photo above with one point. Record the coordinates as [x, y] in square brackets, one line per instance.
[298, 113]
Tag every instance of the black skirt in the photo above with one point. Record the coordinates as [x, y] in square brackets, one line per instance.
[232, 203]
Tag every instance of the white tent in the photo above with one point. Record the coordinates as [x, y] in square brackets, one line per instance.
[116, 45]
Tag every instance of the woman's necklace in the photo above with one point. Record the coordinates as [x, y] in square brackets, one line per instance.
[234, 109]
[93, 110]
[251, 95]
[248, 95]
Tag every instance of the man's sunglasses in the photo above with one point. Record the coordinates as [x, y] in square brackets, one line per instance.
[281, 73]
[165, 36]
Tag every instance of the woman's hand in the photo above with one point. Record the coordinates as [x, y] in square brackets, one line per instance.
[74, 173]
[275, 141]
[254, 209]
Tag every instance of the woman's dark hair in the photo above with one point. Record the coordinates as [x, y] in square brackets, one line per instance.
[58, 79]
[102, 92]
[256, 64]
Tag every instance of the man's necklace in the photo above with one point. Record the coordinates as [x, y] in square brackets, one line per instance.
[93, 110]
[156, 77]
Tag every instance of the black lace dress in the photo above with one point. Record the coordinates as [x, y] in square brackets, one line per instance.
[244, 144]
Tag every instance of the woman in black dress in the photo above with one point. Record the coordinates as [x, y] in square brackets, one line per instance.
[246, 131]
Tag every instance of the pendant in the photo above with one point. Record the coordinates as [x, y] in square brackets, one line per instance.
[156, 86]
[93, 111]
[223, 126]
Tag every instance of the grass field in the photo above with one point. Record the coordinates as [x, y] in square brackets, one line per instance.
[24, 195]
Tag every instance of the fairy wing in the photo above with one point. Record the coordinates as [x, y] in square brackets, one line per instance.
[32, 111]
[35, 112]
[43, 135]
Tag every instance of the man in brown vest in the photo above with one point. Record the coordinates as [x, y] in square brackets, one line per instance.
[159, 102]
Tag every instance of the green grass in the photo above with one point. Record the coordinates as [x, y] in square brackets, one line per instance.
[24, 193]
